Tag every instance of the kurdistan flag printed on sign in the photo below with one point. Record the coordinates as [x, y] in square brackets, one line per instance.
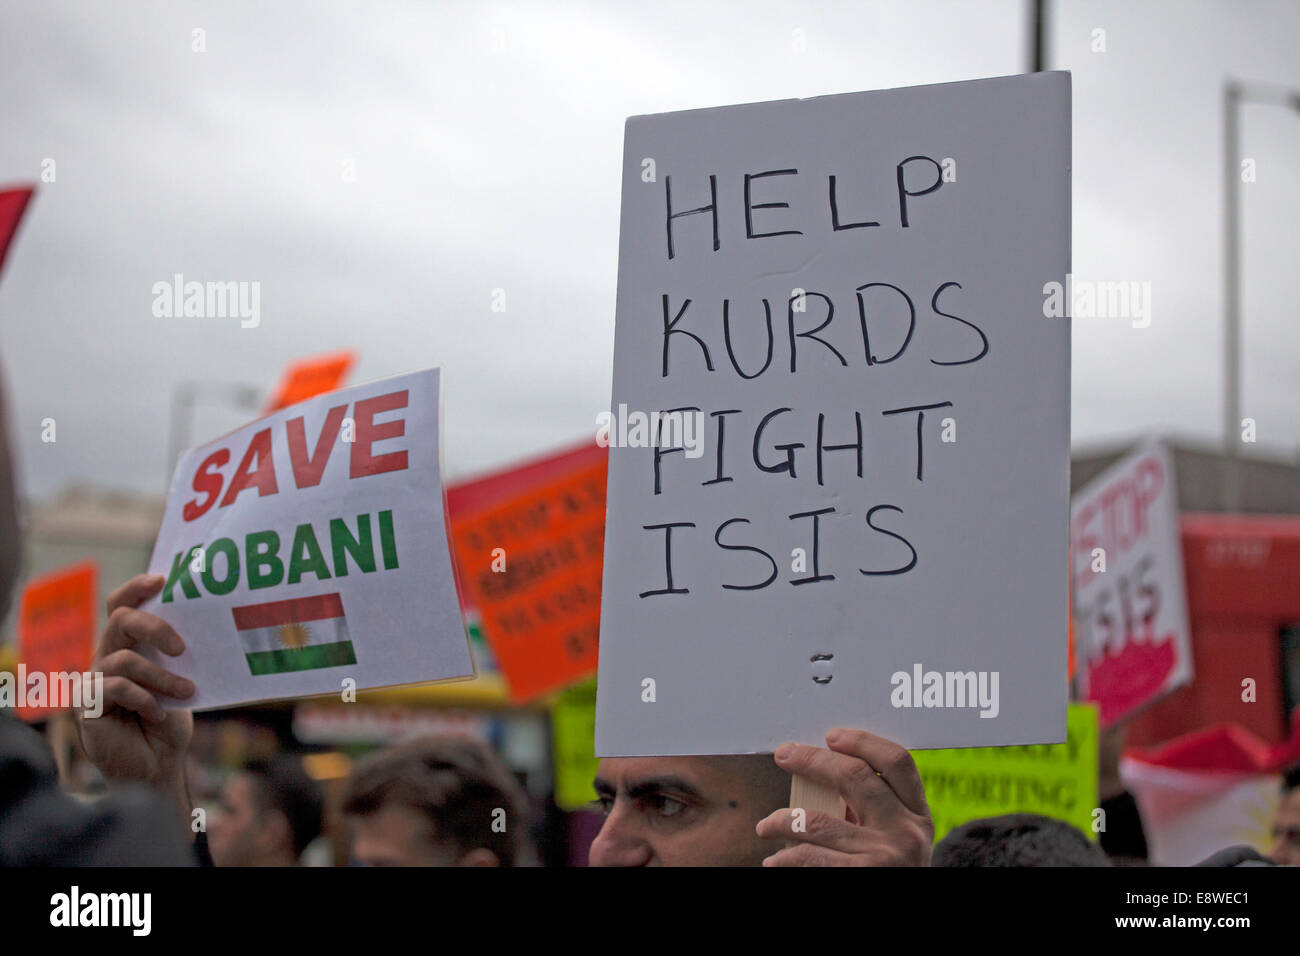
[295, 635]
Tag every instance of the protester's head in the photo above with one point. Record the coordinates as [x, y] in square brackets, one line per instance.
[435, 801]
[268, 814]
[1286, 825]
[687, 811]
[1017, 839]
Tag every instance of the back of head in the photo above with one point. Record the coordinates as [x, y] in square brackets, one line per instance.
[1017, 839]
[1286, 821]
[40, 825]
[468, 796]
[1290, 779]
[282, 784]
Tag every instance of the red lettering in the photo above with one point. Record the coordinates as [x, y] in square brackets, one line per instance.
[262, 478]
[1150, 478]
[208, 483]
[1120, 516]
[367, 433]
[1084, 541]
[307, 471]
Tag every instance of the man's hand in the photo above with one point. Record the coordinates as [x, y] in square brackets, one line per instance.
[888, 822]
[135, 738]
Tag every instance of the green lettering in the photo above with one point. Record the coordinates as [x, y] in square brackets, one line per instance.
[263, 557]
[180, 573]
[362, 547]
[305, 555]
[227, 584]
[387, 541]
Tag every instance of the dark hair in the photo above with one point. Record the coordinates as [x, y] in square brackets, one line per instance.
[1017, 839]
[281, 784]
[456, 782]
[1290, 778]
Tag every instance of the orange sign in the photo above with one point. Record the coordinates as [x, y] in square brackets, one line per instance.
[532, 567]
[56, 627]
[307, 378]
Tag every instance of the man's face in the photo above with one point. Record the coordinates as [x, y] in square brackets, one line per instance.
[1286, 830]
[679, 811]
[236, 834]
[398, 835]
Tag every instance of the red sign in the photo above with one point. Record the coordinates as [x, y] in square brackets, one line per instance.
[532, 564]
[307, 378]
[56, 627]
[12, 204]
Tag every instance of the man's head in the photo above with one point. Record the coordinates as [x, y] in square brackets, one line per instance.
[1017, 839]
[687, 811]
[1286, 825]
[268, 814]
[435, 801]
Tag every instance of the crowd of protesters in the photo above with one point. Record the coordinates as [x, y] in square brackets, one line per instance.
[449, 800]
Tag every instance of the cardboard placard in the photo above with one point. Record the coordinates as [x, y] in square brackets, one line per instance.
[531, 565]
[831, 322]
[1130, 600]
[573, 723]
[309, 377]
[56, 629]
[309, 548]
[1055, 780]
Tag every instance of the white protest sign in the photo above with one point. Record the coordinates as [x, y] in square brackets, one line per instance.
[310, 548]
[845, 297]
[1130, 602]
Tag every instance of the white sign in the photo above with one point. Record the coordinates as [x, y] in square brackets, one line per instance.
[306, 553]
[850, 291]
[1133, 643]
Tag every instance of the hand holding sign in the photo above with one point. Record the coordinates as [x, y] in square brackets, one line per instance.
[888, 822]
[135, 738]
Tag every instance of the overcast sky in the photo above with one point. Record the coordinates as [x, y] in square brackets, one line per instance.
[487, 141]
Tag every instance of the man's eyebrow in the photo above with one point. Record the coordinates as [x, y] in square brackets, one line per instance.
[603, 787]
[643, 788]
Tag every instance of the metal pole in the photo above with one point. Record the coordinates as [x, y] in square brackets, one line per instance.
[1234, 94]
[1038, 54]
[1232, 303]
[185, 397]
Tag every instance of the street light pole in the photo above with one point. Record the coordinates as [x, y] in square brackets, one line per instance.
[1232, 303]
[1038, 35]
[1234, 94]
[186, 395]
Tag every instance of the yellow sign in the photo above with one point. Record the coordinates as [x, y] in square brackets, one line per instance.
[1055, 780]
[573, 726]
